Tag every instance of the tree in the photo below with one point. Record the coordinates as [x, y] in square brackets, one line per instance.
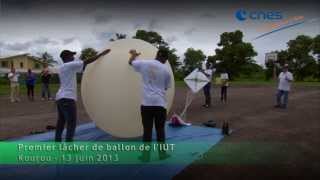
[316, 45]
[234, 53]
[302, 63]
[316, 52]
[151, 37]
[192, 59]
[88, 53]
[173, 59]
[156, 39]
[252, 70]
[274, 67]
[47, 59]
[212, 60]
[119, 36]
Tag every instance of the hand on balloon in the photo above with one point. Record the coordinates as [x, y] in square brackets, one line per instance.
[105, 52]
[91, 60]
[133, 52]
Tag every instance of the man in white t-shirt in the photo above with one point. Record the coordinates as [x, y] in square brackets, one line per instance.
[14, 85]
[156, 80]
[67, 94]
[284, 83]
[207, 88]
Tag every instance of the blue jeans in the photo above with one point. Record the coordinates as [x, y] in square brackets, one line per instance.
[282, 98]
[67, 114]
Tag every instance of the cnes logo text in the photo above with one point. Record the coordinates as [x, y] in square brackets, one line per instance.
[243, 15]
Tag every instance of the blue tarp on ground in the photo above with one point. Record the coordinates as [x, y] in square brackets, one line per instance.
[89, 132]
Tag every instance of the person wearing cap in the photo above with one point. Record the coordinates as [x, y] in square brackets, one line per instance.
[67, 94]
[284, 83]
[156, 80]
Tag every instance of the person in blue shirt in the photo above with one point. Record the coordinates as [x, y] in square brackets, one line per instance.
[30, 82]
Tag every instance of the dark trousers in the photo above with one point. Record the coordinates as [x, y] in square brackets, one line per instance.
[156, 115]
[224, 93]
[45, 90]
[67, 113]
[282, 102]
[207, 94]
[30, 90]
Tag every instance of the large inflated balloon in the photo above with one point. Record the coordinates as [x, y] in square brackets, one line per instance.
[111, 89]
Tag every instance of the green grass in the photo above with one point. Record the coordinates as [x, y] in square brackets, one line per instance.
[246, 153]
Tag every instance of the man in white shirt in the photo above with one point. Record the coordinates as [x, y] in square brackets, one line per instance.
[284, 83]
[14, 85]
[156, 80]
[67, 94]
[207, 88]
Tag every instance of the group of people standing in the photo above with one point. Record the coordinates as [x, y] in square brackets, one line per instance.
[30, 81]
[284, 82]
[155, 79]
[224, 83]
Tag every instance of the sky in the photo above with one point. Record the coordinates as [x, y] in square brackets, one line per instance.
[36, 26]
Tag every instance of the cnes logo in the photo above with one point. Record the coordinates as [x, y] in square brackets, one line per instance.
[243, 15]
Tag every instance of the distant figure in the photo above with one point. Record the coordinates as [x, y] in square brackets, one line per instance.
[156, 81]
[30, 82]
[67, 94]
[14, 85]
[45, 80]
[224, 85]
[207, 88]
[284, 82]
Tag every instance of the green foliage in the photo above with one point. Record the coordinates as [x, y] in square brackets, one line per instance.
[302, 63]
[47, 58]
[269, 70]
[157, 40]
[250, 70]
[179, 75]
[192, 59]
[119, 36]
[316, 45]
[283, 58]
[212, 60]
[234, 53]
[88, 53]
[316, 52]
[299, 57]
[151, 37]
[173, 59]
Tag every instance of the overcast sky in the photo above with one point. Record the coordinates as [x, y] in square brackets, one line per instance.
[33, 26]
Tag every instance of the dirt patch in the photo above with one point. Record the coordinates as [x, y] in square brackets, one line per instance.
[252, 117]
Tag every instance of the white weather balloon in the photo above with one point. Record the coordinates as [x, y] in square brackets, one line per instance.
[111, 89]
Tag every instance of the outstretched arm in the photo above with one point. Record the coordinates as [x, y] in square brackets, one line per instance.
[91, 60]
